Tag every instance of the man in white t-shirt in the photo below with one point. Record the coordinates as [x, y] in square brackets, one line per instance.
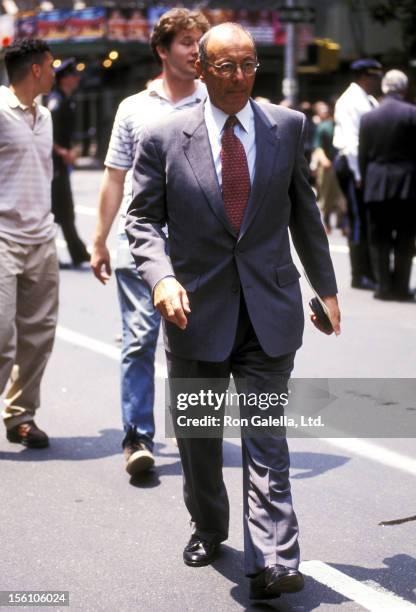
[28, 260]
[174, 42]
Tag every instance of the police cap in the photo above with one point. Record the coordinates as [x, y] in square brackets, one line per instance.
[367, 66]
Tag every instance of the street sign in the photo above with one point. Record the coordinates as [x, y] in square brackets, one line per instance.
[301, 14]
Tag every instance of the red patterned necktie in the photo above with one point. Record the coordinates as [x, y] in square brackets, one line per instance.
[235, 175]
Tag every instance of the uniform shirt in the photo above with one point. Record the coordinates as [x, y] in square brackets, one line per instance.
[62, 109]
[349, 109]
[215, 120]
[25, 171]
[132, 115]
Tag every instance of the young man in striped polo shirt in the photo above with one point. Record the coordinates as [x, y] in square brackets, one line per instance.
[28, 260]
[174, 42]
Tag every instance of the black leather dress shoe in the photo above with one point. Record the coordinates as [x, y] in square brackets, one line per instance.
[29, 435]
[363, 282]
[275, 580]
[199, 552]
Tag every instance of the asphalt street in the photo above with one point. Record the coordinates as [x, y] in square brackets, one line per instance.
[71, 518]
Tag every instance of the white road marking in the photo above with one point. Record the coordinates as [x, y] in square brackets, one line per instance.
[86, 210]
[358, 592]
[339, 248]
[102, 348]
[61, 244]
[374, 451]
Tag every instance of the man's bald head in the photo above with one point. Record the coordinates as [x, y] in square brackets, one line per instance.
[223, 33]
[227, 64]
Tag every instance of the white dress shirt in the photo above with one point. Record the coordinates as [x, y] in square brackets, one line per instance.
[349, 109]
[244, 130]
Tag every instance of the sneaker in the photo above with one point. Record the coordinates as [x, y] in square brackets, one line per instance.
[28, 434]
[139, 458]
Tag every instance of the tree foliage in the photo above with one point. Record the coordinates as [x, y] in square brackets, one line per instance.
[403, 11]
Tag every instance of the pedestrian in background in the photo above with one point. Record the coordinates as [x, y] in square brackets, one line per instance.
[387, 155]
[63, 108]
[330, 198]
[174, 42]
[28, 259]
[356, 100]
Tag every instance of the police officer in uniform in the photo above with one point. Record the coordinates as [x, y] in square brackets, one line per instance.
[62, 106]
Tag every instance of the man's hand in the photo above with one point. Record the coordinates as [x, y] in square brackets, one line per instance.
[100, 262]
[70, 157]
[331, 303]
[170, 299]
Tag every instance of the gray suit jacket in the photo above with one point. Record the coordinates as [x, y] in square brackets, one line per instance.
[175, 183]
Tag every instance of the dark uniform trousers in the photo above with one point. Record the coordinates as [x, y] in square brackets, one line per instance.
[63, 209]
[357, 217]
[270, 524]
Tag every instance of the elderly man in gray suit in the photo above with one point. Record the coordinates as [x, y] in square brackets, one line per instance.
[229, 179]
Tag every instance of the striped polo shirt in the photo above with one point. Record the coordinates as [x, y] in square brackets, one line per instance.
[25, 171]
[132, 115]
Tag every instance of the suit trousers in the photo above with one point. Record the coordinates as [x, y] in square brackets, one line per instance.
[392, 226]
[29, 312]
[270, 524]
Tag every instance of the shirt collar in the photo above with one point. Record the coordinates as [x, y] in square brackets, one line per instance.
[155, 88]
[218, 116]
[13, 101]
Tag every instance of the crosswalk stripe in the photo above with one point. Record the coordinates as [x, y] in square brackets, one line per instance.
[378, 453]
[61, 244]
[375, 600]
[86, 210]
[102, 348]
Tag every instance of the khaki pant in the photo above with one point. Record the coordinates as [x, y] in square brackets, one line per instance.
[29, 309]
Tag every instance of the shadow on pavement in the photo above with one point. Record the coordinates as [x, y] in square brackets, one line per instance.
[79, 448]
[398, 575]
[315, 464]
[231, 565]
[312, 464]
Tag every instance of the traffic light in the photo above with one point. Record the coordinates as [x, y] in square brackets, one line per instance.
[322, 56]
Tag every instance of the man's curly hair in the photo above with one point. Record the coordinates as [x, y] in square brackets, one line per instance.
[172, 22]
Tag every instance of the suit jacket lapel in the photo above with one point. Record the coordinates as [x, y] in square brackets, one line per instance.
[267, 146]
[197, 150]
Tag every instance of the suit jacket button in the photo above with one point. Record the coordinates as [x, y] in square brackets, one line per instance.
[235, 288]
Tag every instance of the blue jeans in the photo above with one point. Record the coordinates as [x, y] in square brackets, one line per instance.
[140, 323]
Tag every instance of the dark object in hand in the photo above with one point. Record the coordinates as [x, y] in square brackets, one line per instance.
[320, 316]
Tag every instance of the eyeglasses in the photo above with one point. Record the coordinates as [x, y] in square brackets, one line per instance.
[228, 69]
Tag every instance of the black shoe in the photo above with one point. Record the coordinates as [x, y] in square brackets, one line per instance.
[363, 282]
[198, 552]
[139, 457]
[384, 296]
[28, 434]
[408, 296]
[65, 265]
[275, 580]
